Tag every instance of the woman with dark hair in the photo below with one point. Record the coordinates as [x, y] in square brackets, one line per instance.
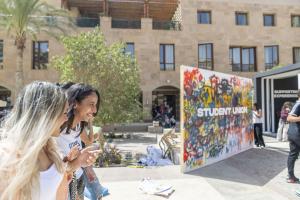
[257, 122]
[283, 124]
[84, 103]
[30, 164]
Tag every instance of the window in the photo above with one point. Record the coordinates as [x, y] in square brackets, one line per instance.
[271, 56]
[204, 17]
[243, 59]
[1, 54]
[241, 18]
[40, 55]
[295, 20]
[129, 49]
[269, 20]
[296, 54]
[205, 56]
[166, 57]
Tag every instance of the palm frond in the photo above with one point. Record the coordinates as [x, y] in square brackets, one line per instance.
[31, 17]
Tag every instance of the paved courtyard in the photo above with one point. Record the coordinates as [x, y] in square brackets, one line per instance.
[252, 175]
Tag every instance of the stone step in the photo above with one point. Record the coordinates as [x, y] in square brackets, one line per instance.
[133, 127]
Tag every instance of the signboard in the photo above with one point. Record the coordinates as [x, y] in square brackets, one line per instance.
[216, 117]
[285, 93]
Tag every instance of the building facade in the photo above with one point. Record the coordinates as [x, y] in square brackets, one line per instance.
[240, 37]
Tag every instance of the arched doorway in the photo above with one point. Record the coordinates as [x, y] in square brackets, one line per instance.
[168, 94]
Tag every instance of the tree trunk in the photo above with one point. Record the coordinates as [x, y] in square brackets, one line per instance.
[19, 71]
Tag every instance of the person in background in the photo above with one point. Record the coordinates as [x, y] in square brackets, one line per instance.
[283, 124]
[294, 140]
[257, 123]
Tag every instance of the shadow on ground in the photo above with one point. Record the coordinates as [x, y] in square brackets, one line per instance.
[255, 167]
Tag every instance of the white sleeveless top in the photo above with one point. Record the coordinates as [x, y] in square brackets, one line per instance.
[49, 183]
[66, 141]
[255, 119]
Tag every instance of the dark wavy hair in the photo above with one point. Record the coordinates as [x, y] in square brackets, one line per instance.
[76, 93]
[257, 106]
[66, 86]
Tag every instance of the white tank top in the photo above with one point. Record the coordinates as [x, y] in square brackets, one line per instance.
[49, 183]
[255, 119]
[67, 141]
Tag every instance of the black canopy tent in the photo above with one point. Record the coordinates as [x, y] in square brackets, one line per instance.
[271, 89]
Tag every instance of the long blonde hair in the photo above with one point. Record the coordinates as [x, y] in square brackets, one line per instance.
[29, 129]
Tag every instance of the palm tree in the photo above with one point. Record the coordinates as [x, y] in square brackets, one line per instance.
[27, 18]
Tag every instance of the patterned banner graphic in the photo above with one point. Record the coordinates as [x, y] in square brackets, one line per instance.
[215, 116]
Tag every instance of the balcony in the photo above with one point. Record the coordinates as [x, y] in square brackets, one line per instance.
[237, 67]
[87, 22]
[166, 25]
[127, 24]
[162, 10]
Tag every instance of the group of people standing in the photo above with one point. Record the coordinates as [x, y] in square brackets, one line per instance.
[283, 124]
[288, 130]
[48, 150]
[164, 114]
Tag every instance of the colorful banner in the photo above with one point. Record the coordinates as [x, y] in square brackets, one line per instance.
[216, 117]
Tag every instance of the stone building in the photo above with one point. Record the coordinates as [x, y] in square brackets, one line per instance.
[239, 37]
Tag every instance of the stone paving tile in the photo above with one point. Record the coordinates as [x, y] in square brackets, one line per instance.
[257, 174]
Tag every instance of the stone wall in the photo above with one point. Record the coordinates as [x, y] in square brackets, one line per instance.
[223, 33]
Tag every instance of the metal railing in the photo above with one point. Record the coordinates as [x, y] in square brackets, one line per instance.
[243, 67]
[129, 24]
[167, 25]
[87, 22]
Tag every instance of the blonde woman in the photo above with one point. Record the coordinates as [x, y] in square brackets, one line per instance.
[30, 166]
